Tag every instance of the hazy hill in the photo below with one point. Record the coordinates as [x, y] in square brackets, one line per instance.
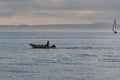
[95, 26]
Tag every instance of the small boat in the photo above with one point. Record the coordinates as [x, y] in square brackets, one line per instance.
[42, 46]
[114, 27]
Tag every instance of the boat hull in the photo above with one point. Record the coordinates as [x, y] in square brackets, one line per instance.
[42, 46]
[115, 32]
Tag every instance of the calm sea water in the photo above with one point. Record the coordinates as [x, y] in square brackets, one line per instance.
[78, 56]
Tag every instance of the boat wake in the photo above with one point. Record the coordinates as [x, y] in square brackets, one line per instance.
[98, 48]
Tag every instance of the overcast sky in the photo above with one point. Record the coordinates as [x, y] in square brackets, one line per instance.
[58, 11]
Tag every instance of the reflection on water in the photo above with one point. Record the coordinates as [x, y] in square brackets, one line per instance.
[78, 56]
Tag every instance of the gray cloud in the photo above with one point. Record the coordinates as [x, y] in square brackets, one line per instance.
[92, 4]
[78, 4]
[89, 10]
[62, 4]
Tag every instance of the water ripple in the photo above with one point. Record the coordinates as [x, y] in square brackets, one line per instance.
[111, 60]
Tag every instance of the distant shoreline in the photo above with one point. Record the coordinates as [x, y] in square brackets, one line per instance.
[98, 23]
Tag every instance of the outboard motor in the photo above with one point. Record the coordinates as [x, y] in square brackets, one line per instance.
[53, 46]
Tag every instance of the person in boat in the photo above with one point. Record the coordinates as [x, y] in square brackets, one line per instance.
[47, 44]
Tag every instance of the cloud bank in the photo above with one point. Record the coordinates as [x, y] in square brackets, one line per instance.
[58, 11]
